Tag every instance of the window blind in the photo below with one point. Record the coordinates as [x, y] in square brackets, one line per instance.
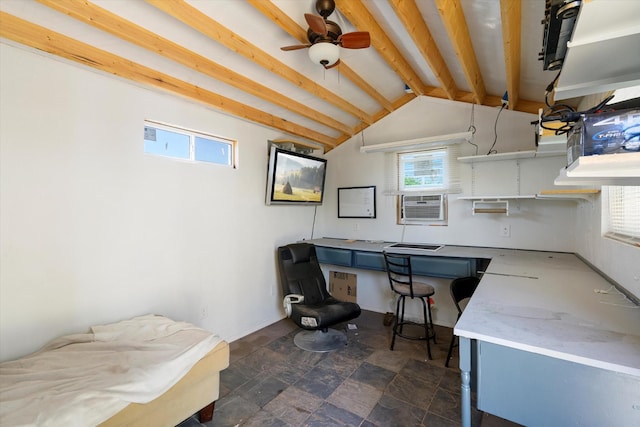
[624, 213]
[433, 171]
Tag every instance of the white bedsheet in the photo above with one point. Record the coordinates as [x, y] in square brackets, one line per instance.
[84, 379]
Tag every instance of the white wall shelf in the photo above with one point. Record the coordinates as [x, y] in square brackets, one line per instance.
[604, 51]
[563, 179]
[622, 165]
[573, 194]
[496, 198]
[608, 169]
[500, 204]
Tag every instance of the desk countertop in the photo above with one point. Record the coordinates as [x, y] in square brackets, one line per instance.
[545, 303]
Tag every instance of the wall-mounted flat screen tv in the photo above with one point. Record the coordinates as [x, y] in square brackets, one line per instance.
[295, 178]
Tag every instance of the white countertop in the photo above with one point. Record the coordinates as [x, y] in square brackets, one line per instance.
[378, 246]
[545, 303]
[542, 302]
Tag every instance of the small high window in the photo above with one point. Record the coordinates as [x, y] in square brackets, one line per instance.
[178, 143]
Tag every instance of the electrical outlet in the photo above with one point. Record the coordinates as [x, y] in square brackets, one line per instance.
[204, 311]
[505, 230]
[357, 226]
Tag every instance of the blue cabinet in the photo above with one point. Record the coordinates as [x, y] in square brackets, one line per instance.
[422, 265]
[334, 256]
[369, 260]
[442, 266]
[553, 392]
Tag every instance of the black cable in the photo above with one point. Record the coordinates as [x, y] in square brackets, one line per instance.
[472, 127]
[550, 88]
[313, 226]
[495, 131]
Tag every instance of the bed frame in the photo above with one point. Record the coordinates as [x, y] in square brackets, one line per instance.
[196, 392]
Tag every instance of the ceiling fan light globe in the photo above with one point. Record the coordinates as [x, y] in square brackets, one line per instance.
[325, 54]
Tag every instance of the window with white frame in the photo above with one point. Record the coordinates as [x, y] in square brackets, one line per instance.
[422, 180]
[428, 171]
[178, 143]
[623, 214]
[424, 170]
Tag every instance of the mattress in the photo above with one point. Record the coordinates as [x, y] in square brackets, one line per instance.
[85, 379]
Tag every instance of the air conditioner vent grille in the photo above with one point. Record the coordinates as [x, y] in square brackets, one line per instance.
[423, 208]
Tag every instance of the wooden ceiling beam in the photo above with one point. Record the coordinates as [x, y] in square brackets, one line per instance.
[356, 12]
[104, 20]
[281, 19]
[523, 105]
[284, 21]
[453, 19]
[189, 15]
[411, 17]
[510, 14]
[43, 39]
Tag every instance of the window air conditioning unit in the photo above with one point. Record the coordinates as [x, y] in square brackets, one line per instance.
[423, 208]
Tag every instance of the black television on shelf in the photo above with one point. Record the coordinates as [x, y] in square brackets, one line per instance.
[295, 178]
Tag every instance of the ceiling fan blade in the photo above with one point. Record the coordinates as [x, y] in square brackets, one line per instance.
[316, 23]
[355, 40]
[335, 64]
[295, 47]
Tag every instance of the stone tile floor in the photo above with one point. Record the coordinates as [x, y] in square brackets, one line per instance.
[271, 382]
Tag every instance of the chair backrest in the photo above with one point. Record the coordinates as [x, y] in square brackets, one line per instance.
[300, 273]
[461, 288]
[399, 271]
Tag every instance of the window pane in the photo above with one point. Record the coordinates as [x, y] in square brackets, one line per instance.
[166, 143]
[425, 170]
[209, 150]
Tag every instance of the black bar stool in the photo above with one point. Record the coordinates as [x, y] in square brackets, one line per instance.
[401, 282]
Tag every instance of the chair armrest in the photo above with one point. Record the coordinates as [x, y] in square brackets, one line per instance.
[291, 299]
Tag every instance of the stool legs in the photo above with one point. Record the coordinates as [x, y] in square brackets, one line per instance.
[429, 331]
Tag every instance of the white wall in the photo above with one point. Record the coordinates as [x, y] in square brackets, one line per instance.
[535, 224]
[94, 231]
[619, 261]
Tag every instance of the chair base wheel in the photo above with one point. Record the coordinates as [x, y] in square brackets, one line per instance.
[320, 342]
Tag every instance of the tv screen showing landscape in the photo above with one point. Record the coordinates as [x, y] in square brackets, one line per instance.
[295, 178]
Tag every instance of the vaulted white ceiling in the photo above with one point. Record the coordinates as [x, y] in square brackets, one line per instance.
[226, 54]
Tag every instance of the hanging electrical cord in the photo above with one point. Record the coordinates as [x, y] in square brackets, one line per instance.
[555, 112]
[313, 226]
[472, 127]
[495, 132]
[564, 113]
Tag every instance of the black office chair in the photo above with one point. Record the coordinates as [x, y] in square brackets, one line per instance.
[401, 282]
[307, 301]
[461, 288]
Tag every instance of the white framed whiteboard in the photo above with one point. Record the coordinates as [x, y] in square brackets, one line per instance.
[357, 202]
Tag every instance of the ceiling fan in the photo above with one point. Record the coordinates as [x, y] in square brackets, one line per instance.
[326, 38]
